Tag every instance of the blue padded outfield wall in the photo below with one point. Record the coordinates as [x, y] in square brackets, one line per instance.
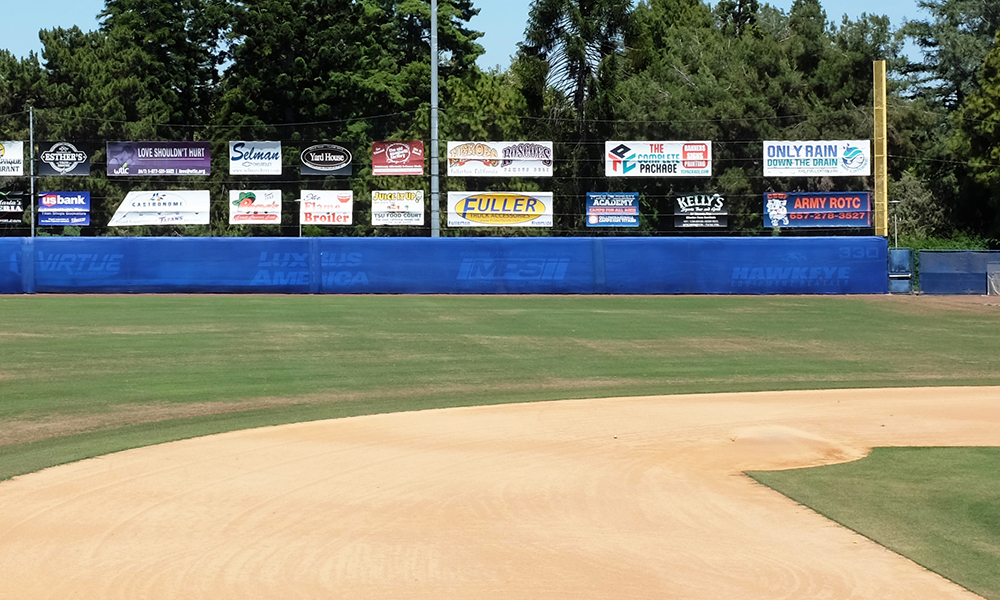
[702, 265]
[955, 271]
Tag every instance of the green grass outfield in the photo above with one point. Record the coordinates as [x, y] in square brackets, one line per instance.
[82, 376]
[940, 507]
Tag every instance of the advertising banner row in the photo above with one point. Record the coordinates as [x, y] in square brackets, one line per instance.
[836, 158]
[465, 209]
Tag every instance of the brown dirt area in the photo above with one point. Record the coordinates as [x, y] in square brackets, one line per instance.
[605, 498]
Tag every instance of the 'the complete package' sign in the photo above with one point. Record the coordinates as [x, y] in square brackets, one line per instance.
[817, 209]
[658, 159]
[612, 209]
[835, 158]
[158, 159]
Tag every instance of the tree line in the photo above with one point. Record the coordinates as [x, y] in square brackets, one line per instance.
[586, 71]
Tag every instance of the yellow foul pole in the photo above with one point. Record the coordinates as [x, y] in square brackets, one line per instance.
[880, 154]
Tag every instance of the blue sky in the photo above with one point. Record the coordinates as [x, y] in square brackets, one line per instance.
[502, 21]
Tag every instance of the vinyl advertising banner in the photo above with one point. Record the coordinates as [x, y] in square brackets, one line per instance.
[158, 158]
[8, 206]
[658, 159]
[254, 158]
[405, 207]
[11, 159]
[500, 159]
[612, 209]
[64, 159]
[254, 207]
[398, 158]
[64, 208]
[174, 207]
[334, 158]
[836, 158]
[700, 210]
[817, 209]
[326, 207]
[499, 209]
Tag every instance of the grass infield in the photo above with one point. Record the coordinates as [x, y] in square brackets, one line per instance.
[82, 376]
[939, 507]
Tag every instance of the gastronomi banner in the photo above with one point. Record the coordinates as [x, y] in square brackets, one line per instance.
[700, 210]
[254, 207]
[499, 209]
[254, 158]
[500, 159]
[612, 209]
[815, 209]
[398, 158]
[398, 207]
[836, 158]
[658, 159]
[11, 159]
[64, 159]
[332, 158]
[158, 158]
[64, 208]
[174, 207]
[326, 207]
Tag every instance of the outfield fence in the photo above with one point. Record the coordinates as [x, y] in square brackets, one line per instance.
[957, 271]
[811, 265]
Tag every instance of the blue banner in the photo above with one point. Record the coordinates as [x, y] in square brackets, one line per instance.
[628, 265]
[612, 209]
[817, 209]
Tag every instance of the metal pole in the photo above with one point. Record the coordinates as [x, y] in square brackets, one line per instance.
[31, 154]
[435, 183]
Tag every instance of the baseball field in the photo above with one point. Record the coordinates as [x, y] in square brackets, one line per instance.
[396, 447]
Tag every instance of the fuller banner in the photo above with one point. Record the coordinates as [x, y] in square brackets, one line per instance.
[254, 207]
[700, 210]
[499, 209]
[836, 158]
[333, 158]
[64, 159]
[398, 158]
[813, 209]
[500, 159]
[326, 207]
[172, 207]
[254, 158]
[11, 159]
[405, 207]
[612, 209]
[158, 158]
[64, 208]
[658, 159]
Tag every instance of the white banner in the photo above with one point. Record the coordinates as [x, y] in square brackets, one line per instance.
[833, 158]
[254, 207]
[500, 159]
[658, 159]
[326, 207]
[255, 158]
[11, 159]
[405, 207]
[499, 209]
[163, 208]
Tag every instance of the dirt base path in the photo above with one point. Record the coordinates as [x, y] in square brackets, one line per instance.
[533, 501]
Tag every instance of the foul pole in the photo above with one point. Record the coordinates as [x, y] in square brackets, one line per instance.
[435, 183]
[880, 153]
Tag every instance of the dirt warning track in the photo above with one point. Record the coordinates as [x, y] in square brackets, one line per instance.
[536, 501]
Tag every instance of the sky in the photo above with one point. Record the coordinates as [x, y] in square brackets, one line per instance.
[502, 21]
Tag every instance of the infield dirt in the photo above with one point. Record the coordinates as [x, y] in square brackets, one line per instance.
[517, 501]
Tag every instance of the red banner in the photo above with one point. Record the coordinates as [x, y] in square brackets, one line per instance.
[398, 158]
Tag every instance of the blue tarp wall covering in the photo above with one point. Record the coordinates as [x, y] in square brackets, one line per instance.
[955, 271]
[702, 265]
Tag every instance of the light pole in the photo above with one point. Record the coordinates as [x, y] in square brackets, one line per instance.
[435, 183]
[895, 224]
